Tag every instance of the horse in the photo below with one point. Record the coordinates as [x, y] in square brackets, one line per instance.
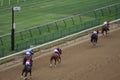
[54, 58]
[94, 39]
[105, 28]
[27, 62]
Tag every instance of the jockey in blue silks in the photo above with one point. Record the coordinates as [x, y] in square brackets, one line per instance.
[29, 52]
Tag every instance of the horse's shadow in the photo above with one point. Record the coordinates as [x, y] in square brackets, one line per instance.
[91, 46]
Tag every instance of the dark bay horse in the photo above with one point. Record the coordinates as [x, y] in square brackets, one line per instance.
[27, 62]
[94, 39]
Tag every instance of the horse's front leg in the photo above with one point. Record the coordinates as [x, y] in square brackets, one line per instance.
[30, 74]
[106, 32]
[25, 77]
[51, 61]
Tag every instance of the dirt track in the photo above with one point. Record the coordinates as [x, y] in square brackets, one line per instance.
[80, 62]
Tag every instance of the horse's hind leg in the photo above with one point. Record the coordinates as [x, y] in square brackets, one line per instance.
[23, 72]
[103, 33]
[55, 62]
[94, 41]
[30, 74]
[51, 61]
[25, 77]
[30, 71]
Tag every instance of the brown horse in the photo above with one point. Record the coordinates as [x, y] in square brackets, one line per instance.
[105, 29]
[54, 59]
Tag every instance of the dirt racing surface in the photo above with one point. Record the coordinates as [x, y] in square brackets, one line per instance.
[79, 62]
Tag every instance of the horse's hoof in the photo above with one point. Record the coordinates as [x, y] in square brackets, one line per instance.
[21, 77]
[25, 78]
[50, 65]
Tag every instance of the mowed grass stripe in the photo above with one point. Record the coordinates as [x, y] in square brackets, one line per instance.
[38, 12]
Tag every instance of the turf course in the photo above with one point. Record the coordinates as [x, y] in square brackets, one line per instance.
[38, 12]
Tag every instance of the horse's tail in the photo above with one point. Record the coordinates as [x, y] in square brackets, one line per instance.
[54, 56]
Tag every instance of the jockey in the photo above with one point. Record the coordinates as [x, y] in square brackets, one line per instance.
[27, 59]
[96, 31]
[106, 24]
[29, 52]
[58, 51]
